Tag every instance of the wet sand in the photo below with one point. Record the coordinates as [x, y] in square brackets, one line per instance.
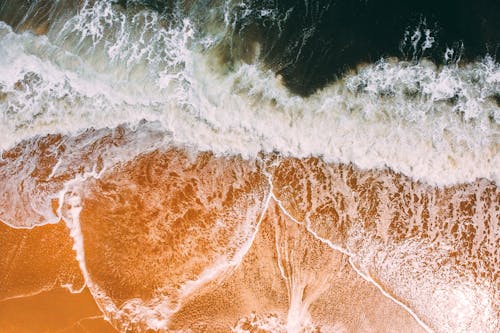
[54, 311]
[179, 240]
[34, 264]
[36, 260]
[290, 281]
[138, 213]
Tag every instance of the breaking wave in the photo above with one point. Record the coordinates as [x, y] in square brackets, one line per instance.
[230, 189]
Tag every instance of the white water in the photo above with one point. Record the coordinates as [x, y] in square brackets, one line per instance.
[104, 68]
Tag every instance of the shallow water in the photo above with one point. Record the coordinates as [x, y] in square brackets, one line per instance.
[163, 168]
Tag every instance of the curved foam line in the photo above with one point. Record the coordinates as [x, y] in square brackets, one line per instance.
[26, 227]
[351, 256]
[386, 294]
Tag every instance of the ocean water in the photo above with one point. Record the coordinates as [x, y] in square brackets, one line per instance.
[251, 166]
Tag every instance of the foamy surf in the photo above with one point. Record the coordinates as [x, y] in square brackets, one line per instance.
[173, 143]
[435, 124]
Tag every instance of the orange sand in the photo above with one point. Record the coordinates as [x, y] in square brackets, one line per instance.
[182, 241]
[33, 265]
[54, 311]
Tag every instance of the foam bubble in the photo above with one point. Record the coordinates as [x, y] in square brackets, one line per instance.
[107, 67]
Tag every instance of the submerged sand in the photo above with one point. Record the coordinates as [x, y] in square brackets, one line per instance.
[175, 240]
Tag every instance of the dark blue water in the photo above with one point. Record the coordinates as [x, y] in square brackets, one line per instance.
[311, 43]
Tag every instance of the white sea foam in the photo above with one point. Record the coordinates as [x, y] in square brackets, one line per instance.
[104, 68]
[427, 291]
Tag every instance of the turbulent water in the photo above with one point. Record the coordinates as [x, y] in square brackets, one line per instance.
[250, 166]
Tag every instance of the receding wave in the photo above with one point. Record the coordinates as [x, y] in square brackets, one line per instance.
[189, 173]
[176, 225]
